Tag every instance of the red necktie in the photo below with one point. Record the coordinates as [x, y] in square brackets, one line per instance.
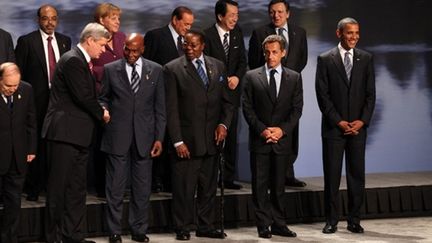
[51, 58]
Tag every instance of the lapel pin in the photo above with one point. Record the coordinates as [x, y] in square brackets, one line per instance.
[19, 96]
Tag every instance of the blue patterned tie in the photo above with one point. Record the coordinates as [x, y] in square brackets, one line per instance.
[281, 33]
[9, 102]
[134, 79]
[201, 73]
[347, 65]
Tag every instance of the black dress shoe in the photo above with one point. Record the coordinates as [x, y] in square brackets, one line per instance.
[210, 234]
[264, 232]
[282, 231]
[355, 228]
[329, 229]
[294, 182]
[231, 185]
[182, 235]
[115, 238]
[140, 238]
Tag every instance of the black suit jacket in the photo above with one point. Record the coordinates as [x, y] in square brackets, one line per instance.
[6, 47]
[30, 57]
[140, 116]
[296, 58]
[261, 112]
[17, 129]
[73, 107]
[160, 46]
[235, 64]
[193, 111]
[343, 99]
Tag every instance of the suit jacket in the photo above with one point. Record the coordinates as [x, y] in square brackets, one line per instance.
[73, 107]
[30, 57]
[261, 112]
[140, 116]
[17, 129]
[6, 47]
[193, 111]
[160, 46]
[235, 64]
[296, 58]
[343, 99]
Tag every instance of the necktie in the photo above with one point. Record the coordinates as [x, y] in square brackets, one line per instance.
[134, 79]
[281, 33]
[273, 92]
[225, 44]
[51, 58]
[201, 73]
[347, 65]
[9, 102]
[90, 65]
[180, 46]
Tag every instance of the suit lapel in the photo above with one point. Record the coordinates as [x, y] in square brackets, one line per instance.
[262, 79]
[191, 71]
[283, 86]
[337, 60]
[211, 72]
[38, 48]
[145, 74]
[61, 44]
[356, 61]
[121, 71]
[169, 41]
[3, 105]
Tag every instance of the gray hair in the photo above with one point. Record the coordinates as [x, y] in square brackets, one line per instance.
[8, 65]
[274, 38]
[348, 20]
[95, 30]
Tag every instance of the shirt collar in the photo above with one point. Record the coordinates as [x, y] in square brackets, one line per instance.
[343, 50]
[138, 63]
[278, 68]
[86, 55]
[45, 35]
[173, 31]
[220, 30]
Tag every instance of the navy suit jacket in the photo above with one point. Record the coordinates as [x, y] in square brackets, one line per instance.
[343, 99]
[73, 107]
[261, 112]
[140, 116]
[17, 129]
[160, 46]
[297, 55]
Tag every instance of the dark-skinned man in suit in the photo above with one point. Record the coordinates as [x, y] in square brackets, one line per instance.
[295, 59]
[272, 106]
[69, 127]
[199, 111]
[224, 41]
[345, 89]
[36, 54]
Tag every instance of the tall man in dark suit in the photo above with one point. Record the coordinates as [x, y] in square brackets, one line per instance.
[36, 54]
[295, 59]
[199, 110]
[134, 94]
[224, 41]
[18, 144]
[345, 89]
[6, 47]
[163, 45]
[272, 106]
[69, 125]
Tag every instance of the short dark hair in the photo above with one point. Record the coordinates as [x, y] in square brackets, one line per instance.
[274, 38]
[179, 11]
[44, 6]
[221, 7]
[198, 33]
[272, 2]
[343, 22]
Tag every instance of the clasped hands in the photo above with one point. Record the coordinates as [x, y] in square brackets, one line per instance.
[351, 128]
[272, 134]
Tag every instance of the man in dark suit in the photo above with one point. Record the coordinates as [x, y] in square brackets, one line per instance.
[163, 45]
[199, 110]
[272, 106]
[6, 47]
[69, 125]
[224, 41]
[134, 94]
[36, 55]
[295, 59]
[18, 144]
[345, 89]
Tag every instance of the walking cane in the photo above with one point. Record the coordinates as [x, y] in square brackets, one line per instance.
[221, 180]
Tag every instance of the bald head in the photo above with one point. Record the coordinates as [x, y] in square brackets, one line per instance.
[9, 78]
[134, 47]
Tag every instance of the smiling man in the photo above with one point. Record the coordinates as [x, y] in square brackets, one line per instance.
[345, 89]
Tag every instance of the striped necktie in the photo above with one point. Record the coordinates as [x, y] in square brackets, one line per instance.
[134, 79]
[347, 64]
[225, 44]
[201, 73]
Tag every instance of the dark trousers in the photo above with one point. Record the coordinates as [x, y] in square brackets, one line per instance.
[35, 180]
[293, 156]
[66, 191]
[161, 170]
[118, 168]
[333, 153]
[230, 151]
[268, 172]
[11, 185]
[189, 176]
